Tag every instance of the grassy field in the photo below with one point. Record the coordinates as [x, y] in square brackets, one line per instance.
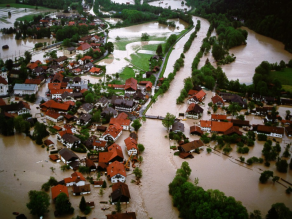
[285, 77]
[152, 47]
[29, 17]
[287, 88]
[121, 44]
[141, 60]
[127, 73]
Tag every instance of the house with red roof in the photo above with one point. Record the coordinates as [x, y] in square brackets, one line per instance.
[114, 153]
[220, 127]
[33, 81]
[197, 98]
[113, 132]
[194, 111]
[71, 23]
[56, 94]
[131, 145]
[95, 70]
[116, 172]
[122, 120]
[131, 86]
[54, 116]
[205, 125]
[83, 48]
[217, 100]
[57, 190]
[76, 179]
[84, 60]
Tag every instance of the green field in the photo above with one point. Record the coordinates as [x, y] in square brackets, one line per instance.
[287, 88]
[121, 44]
[285, 77]
[127, 73]
[141, 60]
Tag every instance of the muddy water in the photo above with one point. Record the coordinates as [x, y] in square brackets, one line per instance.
[113, 20]
[215, 171]
[259, 48]
[173, 4]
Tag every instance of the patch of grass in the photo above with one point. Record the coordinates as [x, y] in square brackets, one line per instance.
[287, 88]
[122, 43]
[151, 47]
[28, 18]
[141, 60]
[127, 73]
[115, 81]
[285, 77]
[3, 3]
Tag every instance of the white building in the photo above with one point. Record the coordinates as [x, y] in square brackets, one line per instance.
[23, 89]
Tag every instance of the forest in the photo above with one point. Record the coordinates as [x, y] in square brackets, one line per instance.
[270, 18]
[56, 4]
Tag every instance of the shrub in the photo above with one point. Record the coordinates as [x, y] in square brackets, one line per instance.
[282, 166]
[262, 137]
[265, 176]
[209, 150]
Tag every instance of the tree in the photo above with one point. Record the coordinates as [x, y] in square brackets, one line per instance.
[234, 108]
[84, 169]
[21, 125]
[27, 56]
[40, 132]
[89, 98]
[265, 176]
[136, 124]
[118, 206]
[96, 116]
[9, 64]
[256, 214]
[159, 50]
[82, 204]
[65, 167]
[140, 159]
[39, 202]
[168, 121]
[63, 205]
[184, 171]
[141, 148]
[279, 211]
[290, 165]
[101, 192]
[104, 185]
[282, 166]
[251, 105]
[137, 172]
[145, 37]
[66, 42]
[275, 179]
[109, 46]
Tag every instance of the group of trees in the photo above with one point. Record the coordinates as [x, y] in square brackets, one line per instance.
[271, 18]
[193, 200]
[192, 37]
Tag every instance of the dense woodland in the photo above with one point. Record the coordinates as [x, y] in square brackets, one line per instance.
[270, 18]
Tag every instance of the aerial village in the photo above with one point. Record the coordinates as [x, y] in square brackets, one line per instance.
[86, 137]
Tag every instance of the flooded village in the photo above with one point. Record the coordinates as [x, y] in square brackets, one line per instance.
[106, 140]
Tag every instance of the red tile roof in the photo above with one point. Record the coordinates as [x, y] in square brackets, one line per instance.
[53, 86]
[131, 83]
[205, 123]
[67, 131]
[71, 23]
[113, 130]
[60, 106]
[130, 143]
[220, 126]
[3, 81]
[95, 70]
[33, 81]
[86, 58]
[53, 114]
[217, 99]
[48, 142]
[61, 91]
[121, 120]
[192, 92]
[218, 117]
[116, 168]
[56, 190]
[75, 177]
[84, 46]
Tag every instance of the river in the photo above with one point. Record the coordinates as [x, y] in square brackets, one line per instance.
[24, 167]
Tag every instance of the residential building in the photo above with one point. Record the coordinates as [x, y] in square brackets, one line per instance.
[56, 190]
[122, 120]
[194, 111]
[83, 48]
[113, 132]
[131, 86]
[220, 127]
[270, 131]
[120, 193]
[54, 116]
[81, 190]
[3, 86]
[76, 179]
[23, 89]
[127, 215]
[116, 172]
[131, 145]
[68, 156]
[191, 146]
[19, 108]
[205, 125]
[217, 100]
[84, 119]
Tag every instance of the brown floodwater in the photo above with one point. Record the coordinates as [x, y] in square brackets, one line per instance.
[173, 4]
[258, 48]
